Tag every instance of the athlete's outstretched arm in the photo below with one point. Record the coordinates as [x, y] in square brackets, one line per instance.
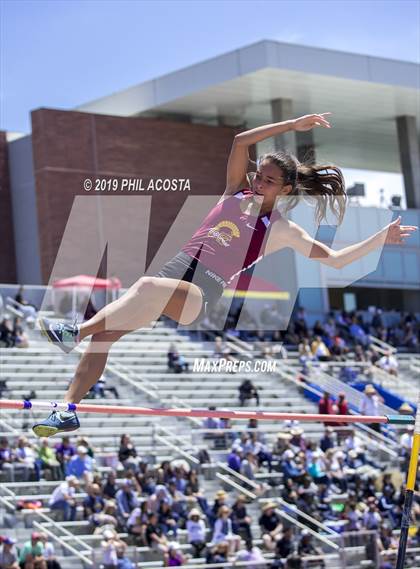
[288, 234]
[238, 159]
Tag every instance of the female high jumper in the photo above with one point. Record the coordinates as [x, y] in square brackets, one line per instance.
[233, 236]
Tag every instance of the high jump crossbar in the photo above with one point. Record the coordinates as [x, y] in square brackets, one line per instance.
[204, 413]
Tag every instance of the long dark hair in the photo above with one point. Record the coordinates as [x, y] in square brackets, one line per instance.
[322, 182]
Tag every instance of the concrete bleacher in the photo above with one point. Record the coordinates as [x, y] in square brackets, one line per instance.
[138, 368]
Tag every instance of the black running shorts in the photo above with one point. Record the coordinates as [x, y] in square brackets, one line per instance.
[186, 268]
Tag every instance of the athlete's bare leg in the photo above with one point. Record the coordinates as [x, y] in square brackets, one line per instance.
[183, 306]
[145, 301]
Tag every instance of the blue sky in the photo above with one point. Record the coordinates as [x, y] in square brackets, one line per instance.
[63, 53]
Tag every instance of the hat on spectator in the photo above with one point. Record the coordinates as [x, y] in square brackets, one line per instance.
[174, 545]
[296, 431]
[284, 436]
[369, 389]
[9, 540]
[72, 479]
[82, 449]
[36, 535]
[405, 408]
[221, 494]
[108, 534]
[194, 512]
[269, 506]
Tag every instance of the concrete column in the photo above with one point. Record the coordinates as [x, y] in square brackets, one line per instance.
[305, 146]
[282, 110]
[410, 158]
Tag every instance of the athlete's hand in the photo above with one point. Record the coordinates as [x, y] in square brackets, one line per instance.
[396, 232]
[308, 122]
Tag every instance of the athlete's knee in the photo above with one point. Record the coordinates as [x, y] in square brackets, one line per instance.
[147, 288]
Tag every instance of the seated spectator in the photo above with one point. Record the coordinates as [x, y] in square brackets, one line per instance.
[113, 549]
[64, 451]
[7, 460]
[371, 519]
[25, 459]
[127, 453]
[328, 440]
[196, 529]
[271, 525]
[223, 531]
[49, 552]
[241, 521]
[8, 554]
[20, 338]
[319, 350]
[235, 459]
[251, 554]
[247, 390]
[100, 388]
[388, 363]
[105, 517]
[31, 555]
[81, 465]
[137, 523]
[306, 546]
[48, 461]
[6, 332]
[62, 498]
[154, 534]
[174, 557]
[167, 519]
[176, 362]
[285, 546]
[126, 501]
[110, 486]
[94, 501]
[218, 553]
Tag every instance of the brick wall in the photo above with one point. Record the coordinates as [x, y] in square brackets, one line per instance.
[70, 146]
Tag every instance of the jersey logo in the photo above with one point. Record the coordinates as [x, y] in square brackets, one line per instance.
[223, 232]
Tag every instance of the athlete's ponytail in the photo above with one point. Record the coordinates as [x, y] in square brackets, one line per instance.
[322, 185]
[325, 184]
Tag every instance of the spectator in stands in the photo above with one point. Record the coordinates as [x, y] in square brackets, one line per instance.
[126, 501]
[94, 501]
[113, 551]
[168, 519]
[64, 451]
[319, 350]
[31, 555]
[328, 440]
[249, 466]
[81, 465]
[25, 459]
[370, 405]
[235, 459]
[127, 453]
[247, 390]
[251, 554]
[326, 407]
[241, 521]
[271, 525]
[342, 407]
[176, 362]
[6, 332]
[154, 534]
[48, 461]
[223, 531]
[306, 546]
[196, 529]
[219, 553]
[110, 486]
[174, 557]
[290, 467]
[20, 338]
[389, 363]
[8, 555]
[63, 498]
[285, 546]
[49, 552]
[6, 460]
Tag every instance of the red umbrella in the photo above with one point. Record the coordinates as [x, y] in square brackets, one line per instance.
[87, 281]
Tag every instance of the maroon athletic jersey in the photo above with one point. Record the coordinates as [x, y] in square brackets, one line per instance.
[228, 241]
